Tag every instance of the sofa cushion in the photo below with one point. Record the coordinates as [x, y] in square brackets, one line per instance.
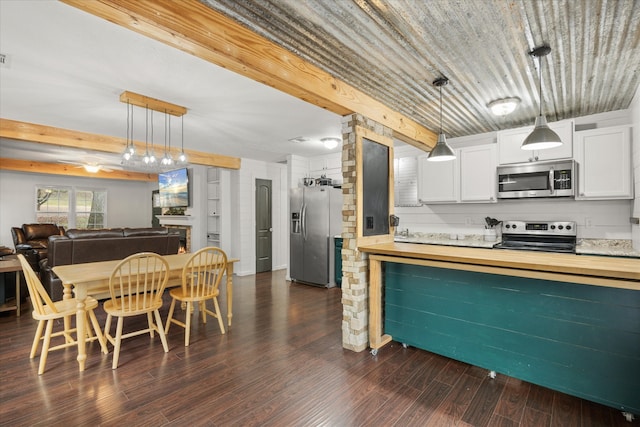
[129, 232]
[39, 243]
[39, 231]
[96, 233]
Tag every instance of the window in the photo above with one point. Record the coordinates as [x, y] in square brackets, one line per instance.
[70, 207]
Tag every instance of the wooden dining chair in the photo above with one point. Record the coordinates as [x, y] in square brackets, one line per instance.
[136, 285]
[47, 311]
[201, 278]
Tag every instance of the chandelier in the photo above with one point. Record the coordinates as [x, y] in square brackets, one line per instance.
[148, 160]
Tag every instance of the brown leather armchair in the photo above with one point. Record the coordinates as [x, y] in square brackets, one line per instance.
[32, 241]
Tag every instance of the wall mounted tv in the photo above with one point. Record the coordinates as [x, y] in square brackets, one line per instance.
[174, 188]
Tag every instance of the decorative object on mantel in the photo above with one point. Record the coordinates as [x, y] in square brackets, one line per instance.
[175, 211]
[148, 160]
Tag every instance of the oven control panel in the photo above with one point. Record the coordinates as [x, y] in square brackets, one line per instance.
[547, 228]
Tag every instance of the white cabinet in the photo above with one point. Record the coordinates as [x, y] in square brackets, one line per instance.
[604, 163]
[470, 178]
[218, 208]
[510, 141]
[438, 182]
[478, 174]
[329, 165]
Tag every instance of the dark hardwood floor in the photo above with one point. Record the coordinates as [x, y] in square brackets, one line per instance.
[280, 364]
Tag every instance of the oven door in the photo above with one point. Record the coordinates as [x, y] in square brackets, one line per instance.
[527, 242]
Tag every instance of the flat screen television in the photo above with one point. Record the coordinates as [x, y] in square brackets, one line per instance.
[174, 188]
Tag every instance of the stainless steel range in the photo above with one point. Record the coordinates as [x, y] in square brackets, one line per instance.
[546, 236]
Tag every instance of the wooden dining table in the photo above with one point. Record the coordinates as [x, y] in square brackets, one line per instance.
[92, 279]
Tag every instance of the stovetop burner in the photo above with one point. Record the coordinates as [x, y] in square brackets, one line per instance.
[546, 236]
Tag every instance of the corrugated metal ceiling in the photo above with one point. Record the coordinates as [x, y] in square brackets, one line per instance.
[394, 49]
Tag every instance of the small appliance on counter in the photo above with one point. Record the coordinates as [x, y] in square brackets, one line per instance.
[546, 236]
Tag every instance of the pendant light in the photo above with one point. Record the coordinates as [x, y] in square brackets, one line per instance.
[129, 151]
[149, 158]
[542, 136]
[441, 152]
[182, 158]
[167, 160]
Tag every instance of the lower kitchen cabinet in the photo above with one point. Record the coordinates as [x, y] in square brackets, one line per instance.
[604, 163]
[470, 178]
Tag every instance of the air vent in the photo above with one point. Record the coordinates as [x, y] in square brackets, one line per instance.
[299, 139]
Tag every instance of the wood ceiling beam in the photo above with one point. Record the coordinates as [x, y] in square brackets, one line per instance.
[194, 28]
[152, 103]
[32, 132]
[70, 170]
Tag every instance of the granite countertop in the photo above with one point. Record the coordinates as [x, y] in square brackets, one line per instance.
[467, 240]
[603, 247]
[606, 247]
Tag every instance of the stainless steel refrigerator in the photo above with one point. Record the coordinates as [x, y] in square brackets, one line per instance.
[316, 218]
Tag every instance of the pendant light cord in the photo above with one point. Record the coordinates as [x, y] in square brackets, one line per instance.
[540, 82]
[146, 129]
[128, 122]
[440, 109]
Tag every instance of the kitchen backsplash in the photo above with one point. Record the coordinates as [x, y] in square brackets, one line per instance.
[607, 219]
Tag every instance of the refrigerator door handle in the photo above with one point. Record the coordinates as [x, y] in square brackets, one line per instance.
[303, 221]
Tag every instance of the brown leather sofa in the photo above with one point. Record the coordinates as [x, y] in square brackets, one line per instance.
[32, 241]
[81, 246]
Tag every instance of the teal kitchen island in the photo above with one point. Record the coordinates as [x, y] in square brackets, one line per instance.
[567, 322]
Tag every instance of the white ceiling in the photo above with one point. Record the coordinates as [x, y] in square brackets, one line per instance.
[67, 69]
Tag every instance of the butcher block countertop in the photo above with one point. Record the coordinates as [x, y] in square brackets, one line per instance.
[586, 269]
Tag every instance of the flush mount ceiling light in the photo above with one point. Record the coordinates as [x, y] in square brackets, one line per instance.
[92, 168]
[502, 107]
[331, 143]
[441, 152]
[150, 105]
[542, 136]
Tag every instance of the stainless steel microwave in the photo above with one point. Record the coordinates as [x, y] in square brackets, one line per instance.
[551, 178]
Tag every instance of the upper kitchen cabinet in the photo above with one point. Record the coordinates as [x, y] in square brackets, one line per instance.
[329, 165]
[510, 141]
[478, 174]
[470, 178]
[438, 182]
[604, 163]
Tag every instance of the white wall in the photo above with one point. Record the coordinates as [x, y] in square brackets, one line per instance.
[606, 219]
[243, 213]
[128, 202]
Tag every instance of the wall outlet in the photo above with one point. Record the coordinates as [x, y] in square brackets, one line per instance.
[588, 222]
[468, 221]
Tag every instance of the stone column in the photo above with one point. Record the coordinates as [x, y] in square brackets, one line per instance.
[355, 264]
